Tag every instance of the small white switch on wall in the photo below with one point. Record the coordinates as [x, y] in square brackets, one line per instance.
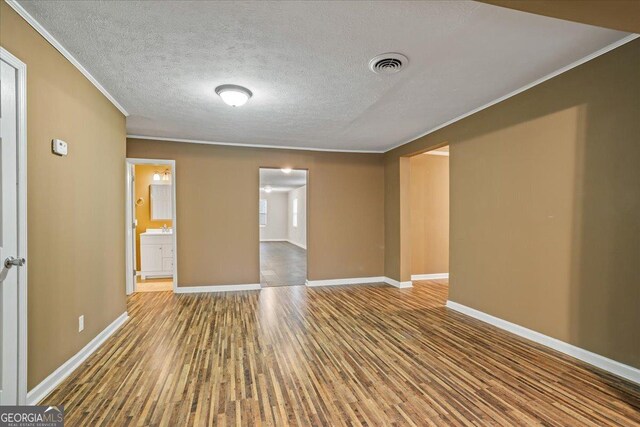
[81, 323]
[59, 147]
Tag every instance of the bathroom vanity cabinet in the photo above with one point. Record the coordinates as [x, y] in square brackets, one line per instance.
[156, 254]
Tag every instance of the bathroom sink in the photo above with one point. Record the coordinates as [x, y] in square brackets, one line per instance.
[158, 231]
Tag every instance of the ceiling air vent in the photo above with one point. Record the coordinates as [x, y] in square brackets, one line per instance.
[388, 63]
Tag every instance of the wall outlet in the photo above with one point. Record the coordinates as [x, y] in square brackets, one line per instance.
[81, 323]
[59, 147]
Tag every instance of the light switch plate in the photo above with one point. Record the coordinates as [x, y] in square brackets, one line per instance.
[81, 323]
[59, 147]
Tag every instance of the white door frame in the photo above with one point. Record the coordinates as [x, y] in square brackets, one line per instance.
[130, 235]
[306, 218]
[21, 86]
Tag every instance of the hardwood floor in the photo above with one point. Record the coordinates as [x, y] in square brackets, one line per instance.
[282, 264]
[353, 355]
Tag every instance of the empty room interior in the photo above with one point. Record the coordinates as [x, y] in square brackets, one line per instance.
[320, 213]
[283, 227]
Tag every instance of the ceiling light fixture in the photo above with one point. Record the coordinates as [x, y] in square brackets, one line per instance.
[286, 170]
[234, 95]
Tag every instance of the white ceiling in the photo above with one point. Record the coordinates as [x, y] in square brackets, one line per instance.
[280, 181]
[307, 64]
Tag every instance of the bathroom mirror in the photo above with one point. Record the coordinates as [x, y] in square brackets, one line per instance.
[161, 207]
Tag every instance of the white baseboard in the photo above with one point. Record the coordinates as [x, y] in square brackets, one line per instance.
[43, 389]
[397, 284]
[429, 276]
[625, 371]
[297, 244]
[219, 288]
[352, 281]
[359, 281]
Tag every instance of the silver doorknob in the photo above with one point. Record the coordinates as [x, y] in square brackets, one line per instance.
[11, 261]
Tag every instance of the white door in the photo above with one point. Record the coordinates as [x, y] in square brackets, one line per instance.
[9, 235]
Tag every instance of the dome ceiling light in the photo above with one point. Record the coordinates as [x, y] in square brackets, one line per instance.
[234, 95]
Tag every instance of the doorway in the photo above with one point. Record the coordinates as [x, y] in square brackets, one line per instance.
[429, 215]
[151, 233]
[283, 227]
[13, 230]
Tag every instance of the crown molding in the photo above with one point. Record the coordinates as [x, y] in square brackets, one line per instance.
[235, 144]
[559, 71]
[56, 44]
[549, 76]
[40, 29]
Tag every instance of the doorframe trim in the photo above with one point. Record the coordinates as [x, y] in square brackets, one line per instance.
[130, 280]
[306, 216]
[21, 111]
[128, 264]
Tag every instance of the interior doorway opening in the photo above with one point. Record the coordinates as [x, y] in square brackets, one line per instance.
[429, 215]
[151, 232]
[283, 227]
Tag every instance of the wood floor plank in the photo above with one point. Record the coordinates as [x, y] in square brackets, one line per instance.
[352, 355]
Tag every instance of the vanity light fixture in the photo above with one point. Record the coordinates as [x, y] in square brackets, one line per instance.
[286, 170]
[156, 176]
[166, 175]
[234, 95]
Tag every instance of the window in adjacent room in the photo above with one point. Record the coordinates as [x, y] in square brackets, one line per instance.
[295, 213]
[263, 212]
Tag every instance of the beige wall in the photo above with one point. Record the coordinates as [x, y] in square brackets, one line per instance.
[75, 203]
[429, 201]
[545, 203]
[397, 218]
[277, 215]
[144, 178]
[217, 229]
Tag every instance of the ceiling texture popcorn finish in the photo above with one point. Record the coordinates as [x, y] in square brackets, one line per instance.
[307, 65]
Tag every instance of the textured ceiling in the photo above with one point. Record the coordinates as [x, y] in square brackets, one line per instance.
[307, 64]
[281, 181]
